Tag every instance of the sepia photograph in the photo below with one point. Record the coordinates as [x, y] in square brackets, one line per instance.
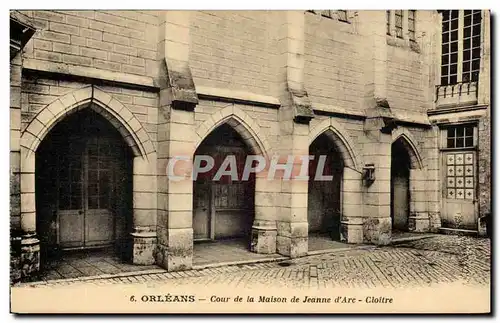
[317, 161]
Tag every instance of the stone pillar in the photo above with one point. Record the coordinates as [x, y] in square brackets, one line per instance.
[144, 210]
[377, 225]
[22, 181]
[378, 126]
[15, 146]
[294, 116]
[352, 206]
[419, 216]
[30, 245]
[267, 201]
[15, 165]
[293, 227]
[433, 180]
[176, 138]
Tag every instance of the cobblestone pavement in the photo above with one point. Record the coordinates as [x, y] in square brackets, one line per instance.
[439, 259]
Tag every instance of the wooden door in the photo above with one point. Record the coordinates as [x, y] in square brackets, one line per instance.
[459, 196]
[99, 219]
[201, 211]
[400, 202]
[71, 218]
[87, 193]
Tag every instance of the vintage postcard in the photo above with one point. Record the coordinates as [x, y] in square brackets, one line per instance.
[238, 161]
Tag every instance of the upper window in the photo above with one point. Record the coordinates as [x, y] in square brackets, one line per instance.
[472, 45]
[326, 13]
[395, 23]
[460, 49]
[449, 50]
[460, 136]
[399, 23]
[411, 24]
[342, 15]
[388, 21]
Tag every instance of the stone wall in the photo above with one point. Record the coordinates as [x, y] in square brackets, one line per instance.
[117, 41]
[334, 63]
[234, 50]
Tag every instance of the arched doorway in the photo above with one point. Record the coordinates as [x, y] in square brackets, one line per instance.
[223, 209]
[324, 196]
[400, 185]
[83, 179]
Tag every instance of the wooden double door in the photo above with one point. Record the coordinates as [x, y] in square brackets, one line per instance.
[83, 185]
[89, 182]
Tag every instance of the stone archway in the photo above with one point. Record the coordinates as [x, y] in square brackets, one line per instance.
[137, 139]
[223, 206]
[325, 189]
[263, 237]
[408, 175]
[83, 179]
[350, 178]
[410, 144]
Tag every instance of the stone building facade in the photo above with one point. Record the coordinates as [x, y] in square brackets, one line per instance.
[102, 101]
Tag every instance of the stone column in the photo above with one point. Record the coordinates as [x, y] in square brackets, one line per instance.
[30, 245]
[144, 210]
[293, 227]
[378, 127]
[23, 208]
[419, 216]
[176, 138]
[294, 116]
[433, 179]
[15, 165]
[377, 225]
[352, 206]
[267, 201]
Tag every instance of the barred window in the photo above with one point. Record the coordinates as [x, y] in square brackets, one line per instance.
[471, 45]
[399, 23]
[388, 18]
[342, 15]
[411, 24]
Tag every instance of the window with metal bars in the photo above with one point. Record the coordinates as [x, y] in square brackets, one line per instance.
[399, 23]
[411, 24]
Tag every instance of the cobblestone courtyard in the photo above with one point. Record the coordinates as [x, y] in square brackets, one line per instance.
[439, 259]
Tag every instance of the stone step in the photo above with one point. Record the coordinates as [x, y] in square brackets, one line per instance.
[461, 232]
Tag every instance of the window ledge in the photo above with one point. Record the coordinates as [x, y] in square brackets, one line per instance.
[403, 43]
